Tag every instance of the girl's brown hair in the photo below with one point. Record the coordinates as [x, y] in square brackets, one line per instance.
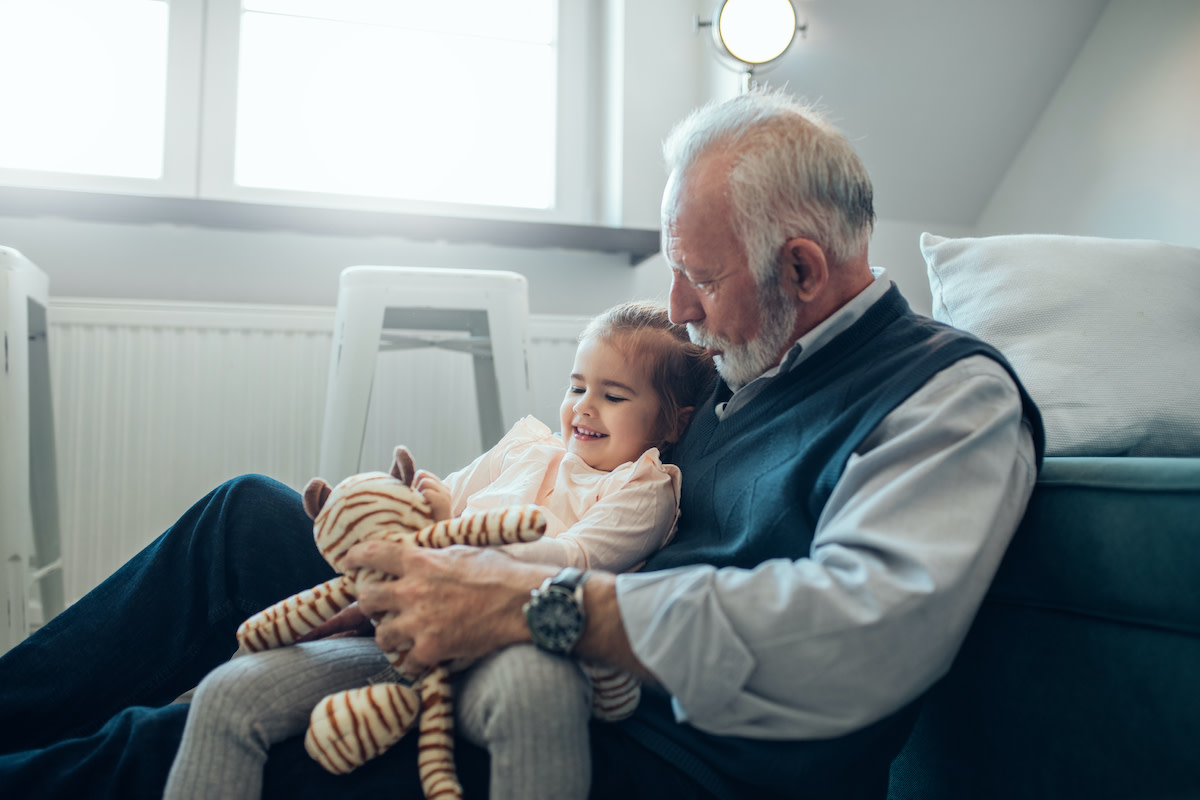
[680, 371]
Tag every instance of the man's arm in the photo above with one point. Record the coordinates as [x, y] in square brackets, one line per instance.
[902, 555]
[462, 602]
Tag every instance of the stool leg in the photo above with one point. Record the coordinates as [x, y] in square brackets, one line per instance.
[351, 375]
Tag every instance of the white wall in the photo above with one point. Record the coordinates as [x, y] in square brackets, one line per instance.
[1117, 152]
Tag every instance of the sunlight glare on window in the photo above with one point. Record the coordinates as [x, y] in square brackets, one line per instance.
[456, 104]
[83, 86]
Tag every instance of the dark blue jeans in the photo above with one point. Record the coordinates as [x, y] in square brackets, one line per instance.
[85, 703]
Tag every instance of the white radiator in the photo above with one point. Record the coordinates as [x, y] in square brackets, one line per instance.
[157, 403]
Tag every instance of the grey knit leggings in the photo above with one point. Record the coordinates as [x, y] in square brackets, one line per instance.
[528, 708]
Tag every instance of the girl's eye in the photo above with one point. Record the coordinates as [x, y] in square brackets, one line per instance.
[574, 390]
[612, 398]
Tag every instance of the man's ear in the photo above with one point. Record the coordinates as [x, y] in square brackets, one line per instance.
[681, 423]
[806, 270]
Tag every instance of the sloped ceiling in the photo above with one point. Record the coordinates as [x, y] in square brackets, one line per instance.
[938, 95]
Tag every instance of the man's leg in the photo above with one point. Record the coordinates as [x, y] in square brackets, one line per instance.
[128, 758]
[154, 628]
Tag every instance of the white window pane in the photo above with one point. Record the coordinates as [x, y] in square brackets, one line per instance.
[381, 111]
[83, 86]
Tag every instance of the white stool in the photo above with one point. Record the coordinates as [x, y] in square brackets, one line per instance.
[31, 578]
[492, 307]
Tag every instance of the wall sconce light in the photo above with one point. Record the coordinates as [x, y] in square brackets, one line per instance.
[752, 33]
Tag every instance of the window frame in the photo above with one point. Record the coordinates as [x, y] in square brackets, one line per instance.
[180, 123]
[199, 133]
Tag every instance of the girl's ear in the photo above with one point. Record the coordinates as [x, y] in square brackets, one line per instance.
[681, 423]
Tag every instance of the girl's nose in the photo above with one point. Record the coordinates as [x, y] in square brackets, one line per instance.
[584, 404]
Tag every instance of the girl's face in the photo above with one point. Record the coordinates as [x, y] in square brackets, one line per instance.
[610, 413]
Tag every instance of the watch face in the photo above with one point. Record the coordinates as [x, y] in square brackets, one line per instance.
[555, 621]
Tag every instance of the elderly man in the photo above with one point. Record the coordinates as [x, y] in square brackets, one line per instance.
[848, 492]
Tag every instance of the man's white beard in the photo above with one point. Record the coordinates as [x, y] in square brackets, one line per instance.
[739, 364]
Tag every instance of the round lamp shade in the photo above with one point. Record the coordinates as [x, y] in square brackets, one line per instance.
[754, 31]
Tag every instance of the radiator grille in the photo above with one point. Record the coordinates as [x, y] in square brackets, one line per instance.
[157, 403]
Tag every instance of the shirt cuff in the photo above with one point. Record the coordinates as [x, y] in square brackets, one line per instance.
[679, 631]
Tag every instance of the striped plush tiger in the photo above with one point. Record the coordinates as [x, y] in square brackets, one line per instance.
[349, 728]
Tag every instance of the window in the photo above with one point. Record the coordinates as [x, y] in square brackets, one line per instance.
[467, 108]
[84, 86]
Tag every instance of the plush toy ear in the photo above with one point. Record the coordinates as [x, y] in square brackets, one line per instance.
[315, 494]
[403, 468]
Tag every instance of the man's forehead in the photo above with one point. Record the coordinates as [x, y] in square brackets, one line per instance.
[672, 248]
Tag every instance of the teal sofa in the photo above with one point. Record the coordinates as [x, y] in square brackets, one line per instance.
[1080, 677]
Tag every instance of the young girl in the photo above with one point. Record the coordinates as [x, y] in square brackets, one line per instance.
[610, 503]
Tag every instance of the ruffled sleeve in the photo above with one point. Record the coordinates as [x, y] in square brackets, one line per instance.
[634, 513]
[481, 473]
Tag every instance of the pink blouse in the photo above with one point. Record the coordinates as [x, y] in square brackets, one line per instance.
[595, 520]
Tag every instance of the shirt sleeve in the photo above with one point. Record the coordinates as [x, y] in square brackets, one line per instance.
[628, 524]
[481, 472]
[902, 556]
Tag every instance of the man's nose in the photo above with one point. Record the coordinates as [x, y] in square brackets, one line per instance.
[683, 303]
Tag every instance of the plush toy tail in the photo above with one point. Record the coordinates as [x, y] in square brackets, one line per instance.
[439, 778]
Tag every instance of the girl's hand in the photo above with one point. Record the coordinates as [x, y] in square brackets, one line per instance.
[435, 493]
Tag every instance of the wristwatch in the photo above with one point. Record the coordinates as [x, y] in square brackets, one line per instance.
[554, 612]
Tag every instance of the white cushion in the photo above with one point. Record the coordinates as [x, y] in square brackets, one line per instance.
[1104, 333]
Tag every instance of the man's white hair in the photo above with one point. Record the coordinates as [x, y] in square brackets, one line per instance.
[794, 174]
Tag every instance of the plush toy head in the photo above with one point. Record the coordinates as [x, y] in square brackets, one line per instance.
[371, 505]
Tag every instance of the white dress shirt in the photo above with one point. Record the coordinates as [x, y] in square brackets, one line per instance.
[902, 555]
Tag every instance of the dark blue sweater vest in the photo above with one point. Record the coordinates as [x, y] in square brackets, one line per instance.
[754, 486]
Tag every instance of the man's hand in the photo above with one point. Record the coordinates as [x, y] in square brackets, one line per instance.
[453, 602]
[465, 602]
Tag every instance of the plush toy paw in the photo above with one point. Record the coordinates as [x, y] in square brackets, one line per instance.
[615, 693]
[348, 729]
[286, 621]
